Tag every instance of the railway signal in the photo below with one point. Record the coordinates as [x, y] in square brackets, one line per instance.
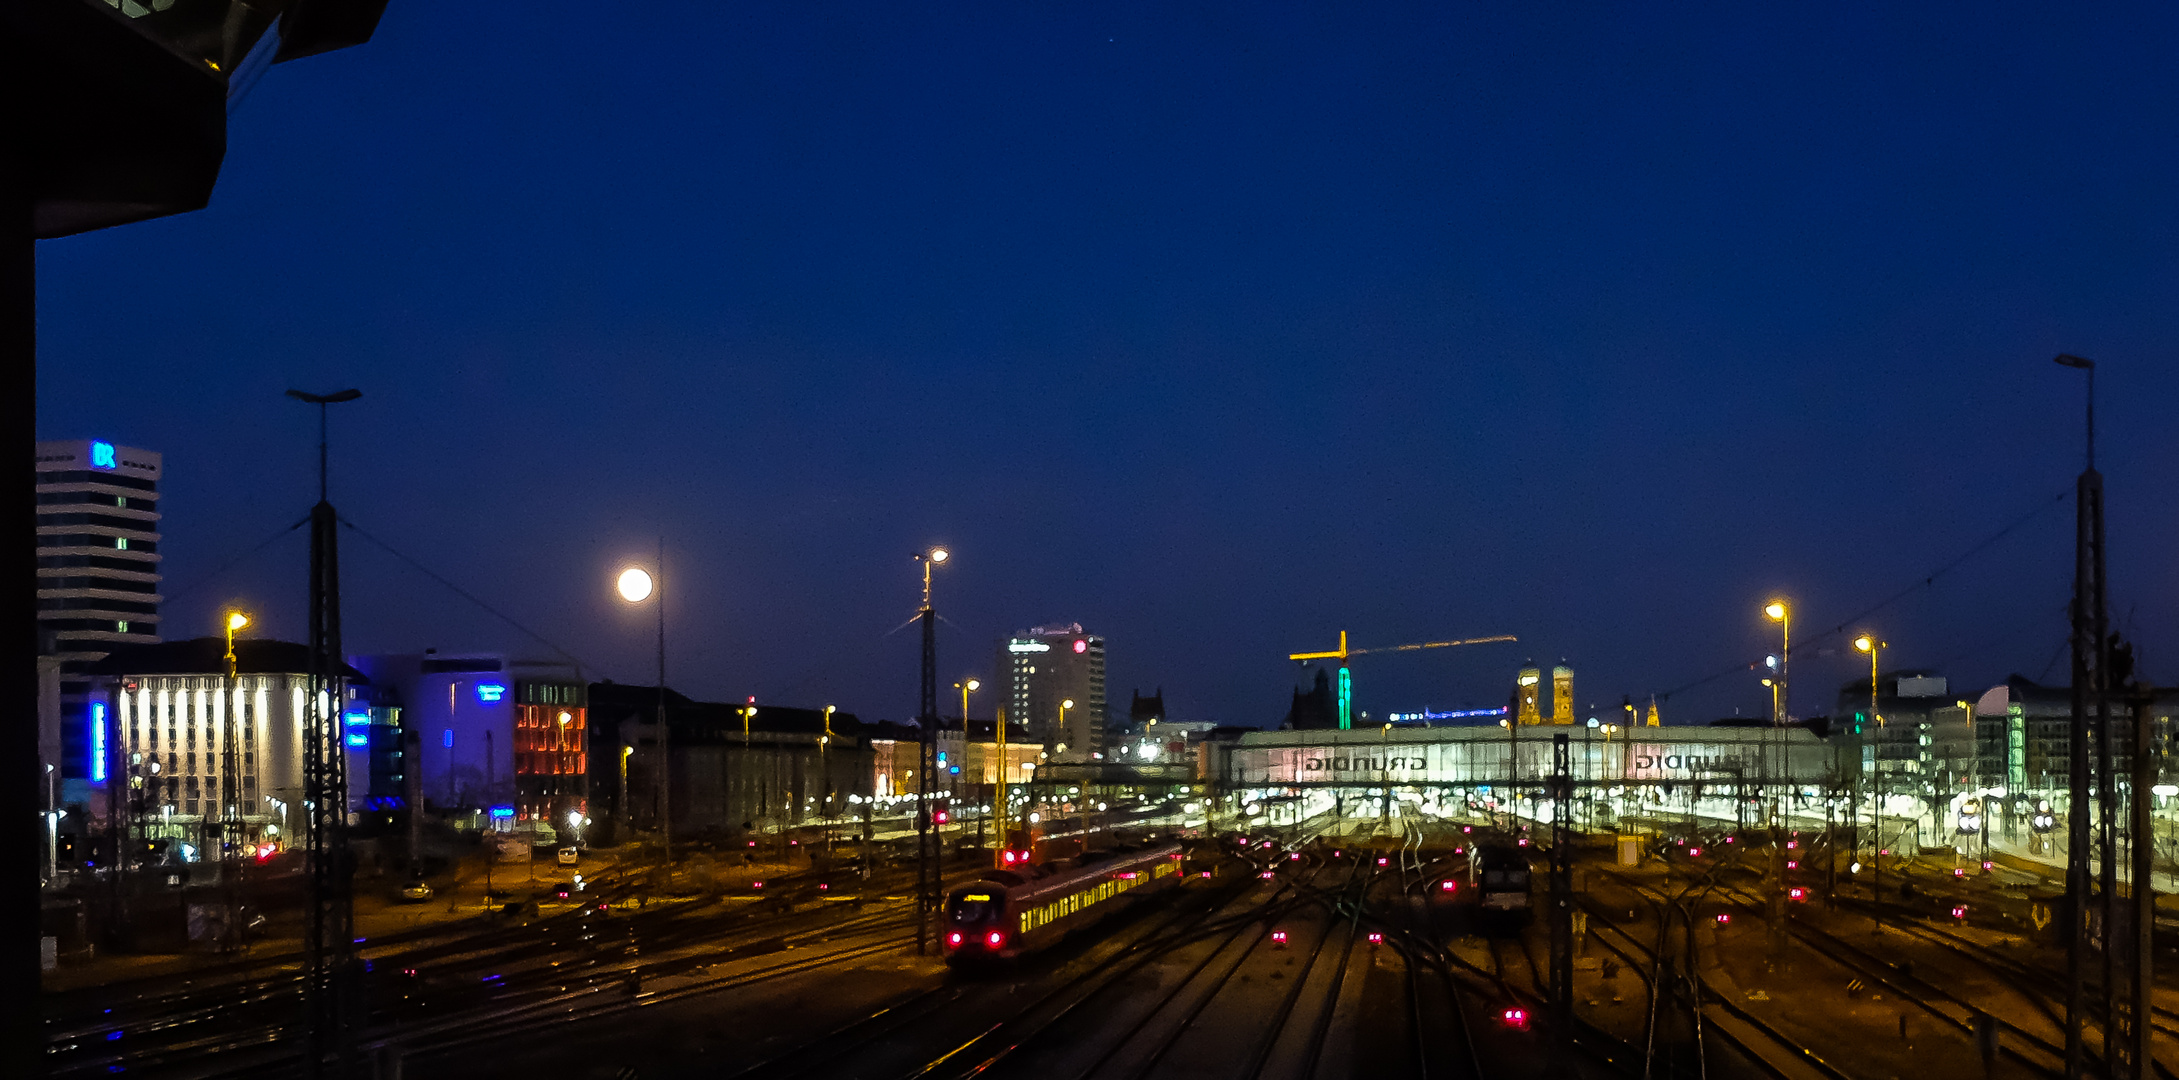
[1516, 1018]
[1278, 938]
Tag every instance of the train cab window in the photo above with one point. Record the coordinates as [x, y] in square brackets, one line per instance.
[974, 909]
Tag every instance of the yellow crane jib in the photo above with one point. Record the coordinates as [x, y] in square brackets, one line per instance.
[1346, 679]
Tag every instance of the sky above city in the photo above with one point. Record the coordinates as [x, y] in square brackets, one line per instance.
[1215, 328]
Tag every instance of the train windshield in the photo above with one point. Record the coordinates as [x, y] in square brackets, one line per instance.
[972, 909]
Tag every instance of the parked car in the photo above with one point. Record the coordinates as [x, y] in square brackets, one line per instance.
[415, 892]
[571, 856]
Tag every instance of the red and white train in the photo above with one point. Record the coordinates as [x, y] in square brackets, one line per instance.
[1015, 911]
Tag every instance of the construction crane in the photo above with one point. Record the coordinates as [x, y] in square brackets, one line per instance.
[1346, 679]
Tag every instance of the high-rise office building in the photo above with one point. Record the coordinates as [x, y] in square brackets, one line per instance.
[1044, 667]
[98, 577]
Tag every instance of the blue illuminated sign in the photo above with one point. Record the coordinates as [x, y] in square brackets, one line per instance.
[447, 740]
[490, 691]
[355, 718]
[102, 456]
[98, 736]
[502, 811]
[357, 739]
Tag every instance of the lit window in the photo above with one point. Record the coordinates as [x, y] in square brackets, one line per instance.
[121, 542]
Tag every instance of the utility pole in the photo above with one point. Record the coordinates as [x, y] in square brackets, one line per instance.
[331, 971]
[665, 730]
[2142, 829]
[2090, 619]
[927, 870]
[1562, 887]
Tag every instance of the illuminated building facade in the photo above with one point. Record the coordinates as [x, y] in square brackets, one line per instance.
[187, 746]
[98, 578]
[1046, 666]
[502, 743]
[1528, 695]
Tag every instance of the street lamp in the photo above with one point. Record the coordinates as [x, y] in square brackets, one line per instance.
[1783, 616]
[1870, 644]
[928, 878]
[235, 621]
[966, 688]
[637, 585]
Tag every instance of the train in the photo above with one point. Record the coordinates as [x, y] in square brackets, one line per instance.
[1505, 880]
[1016, 911]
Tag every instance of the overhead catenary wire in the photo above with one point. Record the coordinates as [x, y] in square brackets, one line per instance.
[230, 564]
[1926, 581]
[466, 594]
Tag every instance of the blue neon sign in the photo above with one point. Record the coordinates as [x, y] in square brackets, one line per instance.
[98, 740]
[357, 740]
[503, 811]
[490, 691]
[447, 739]
[102, 455]
[355, 718]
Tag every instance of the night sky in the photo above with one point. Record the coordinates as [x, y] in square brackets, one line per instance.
[1217, 330]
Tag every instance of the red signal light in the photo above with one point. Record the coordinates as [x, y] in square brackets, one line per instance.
[1796, 893]
[1375, 937]
[1694, 852]
[953, 938]
[1723, 918]
[1384, 862]
[1793, 866]
[1278, 937]
[996, 939]
[1467, 828]
[1959, 911]
[756, 884]
[1524, 842]
[1447, 885]
[1958, 872]
[1516, 1018]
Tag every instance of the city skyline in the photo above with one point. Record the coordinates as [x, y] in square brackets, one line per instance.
[1370, 354]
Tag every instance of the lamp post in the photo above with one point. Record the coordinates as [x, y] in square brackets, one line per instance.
[230, 780]
[637, 585]
[927, 870]
[626, 819]
[824, 772]
[1868, 643]
[967, 687]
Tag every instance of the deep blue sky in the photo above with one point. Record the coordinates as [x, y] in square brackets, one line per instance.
[1217, 330]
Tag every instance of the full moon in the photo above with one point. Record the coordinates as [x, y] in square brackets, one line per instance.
[635, 585]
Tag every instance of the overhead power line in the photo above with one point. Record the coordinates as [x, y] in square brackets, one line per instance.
[1928, 580]
[465, 594]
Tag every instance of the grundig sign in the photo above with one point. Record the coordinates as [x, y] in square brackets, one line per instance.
[1362, 764]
